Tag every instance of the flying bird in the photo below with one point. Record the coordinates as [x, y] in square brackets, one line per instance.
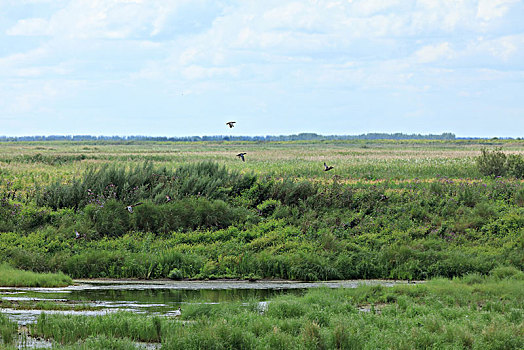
[230, 124]
[241, 155]
[130, 207]
[327, 168]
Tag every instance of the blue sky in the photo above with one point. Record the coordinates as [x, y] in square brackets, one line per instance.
[185, 67]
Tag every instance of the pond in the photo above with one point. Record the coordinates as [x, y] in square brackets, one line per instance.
[94, 297]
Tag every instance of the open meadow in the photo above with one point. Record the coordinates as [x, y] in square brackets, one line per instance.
[409, 210]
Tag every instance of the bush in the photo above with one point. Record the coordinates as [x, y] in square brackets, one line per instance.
[95, 263]
[8, 215]
[515, 166]
[267, 207]
[194, 213]
[147, 217]
[492, 162]
[175, 274]
[143, 182]
[497, 163]
[507, 272]
[111, 219]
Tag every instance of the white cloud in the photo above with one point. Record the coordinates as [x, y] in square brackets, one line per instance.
[112, 19]
[22, 60]
[433, 53]
[492, 9]
[30, 27]
[33, 96]
[503, 48]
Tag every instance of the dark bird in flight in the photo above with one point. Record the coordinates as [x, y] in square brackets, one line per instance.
[230, 124]
[327, 168]
[241, 155]
[130, 207]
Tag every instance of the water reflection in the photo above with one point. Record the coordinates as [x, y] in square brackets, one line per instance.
[177, 296]
[159, 298]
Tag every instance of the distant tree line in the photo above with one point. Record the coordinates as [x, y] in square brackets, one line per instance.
[297, 137]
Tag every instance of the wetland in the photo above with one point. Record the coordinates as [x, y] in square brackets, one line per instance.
[208, 224]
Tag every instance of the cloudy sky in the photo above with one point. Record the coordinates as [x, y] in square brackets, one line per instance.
[185, 67]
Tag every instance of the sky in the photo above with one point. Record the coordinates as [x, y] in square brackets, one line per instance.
[185, 67]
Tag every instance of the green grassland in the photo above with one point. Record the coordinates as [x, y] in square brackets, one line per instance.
[389, 209]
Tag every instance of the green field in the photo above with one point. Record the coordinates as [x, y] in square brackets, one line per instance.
[389, 209]
[416, 210]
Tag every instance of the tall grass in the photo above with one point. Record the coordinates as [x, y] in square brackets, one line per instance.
[67, 329]
[141, 182]
[8, 330]
[11, 277]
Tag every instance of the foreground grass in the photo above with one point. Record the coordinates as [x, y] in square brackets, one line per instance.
[11, 277]
[473, 312]
[8, 330]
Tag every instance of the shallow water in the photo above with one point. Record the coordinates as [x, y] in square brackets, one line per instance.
[156, 297]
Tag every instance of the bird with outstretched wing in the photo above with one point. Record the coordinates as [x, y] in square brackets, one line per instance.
[241, 155]
[130, 207]
[327, 168]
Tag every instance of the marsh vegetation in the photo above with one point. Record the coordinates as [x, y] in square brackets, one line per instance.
[389, 209]
[475, 311]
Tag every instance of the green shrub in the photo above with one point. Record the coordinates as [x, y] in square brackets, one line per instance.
[193, 213]
[519, 197]
[515, 166]
[31, 218]
[267, 207]
[497, 163]
[110, 219]
[492, 162]
[144, 182]
[175, 274]
[147, 217]
[289, 192]
[95, 263]
[507, 272]
[26, 259]
[9, 214]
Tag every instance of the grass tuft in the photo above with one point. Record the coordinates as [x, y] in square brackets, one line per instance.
[11, 277]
